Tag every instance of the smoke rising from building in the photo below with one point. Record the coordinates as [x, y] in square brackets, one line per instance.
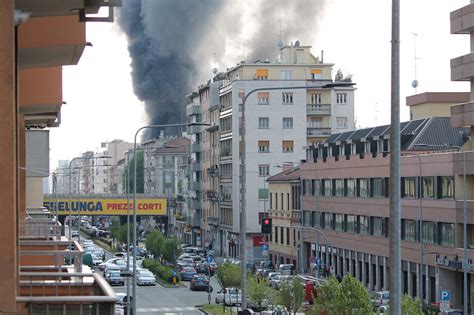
[172, 44]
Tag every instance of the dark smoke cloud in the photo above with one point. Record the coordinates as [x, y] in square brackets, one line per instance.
[171, 44]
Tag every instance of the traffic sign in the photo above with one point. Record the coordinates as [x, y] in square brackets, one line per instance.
[445, 295]
[209, 259]
[318, 262]
[265, 246]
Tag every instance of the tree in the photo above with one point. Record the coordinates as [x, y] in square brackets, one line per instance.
[170, 249]
[341, 78]
[229, 275]
[258, 291]
[298, 295]
[284, 296]
[340, 298]
[154, 242]
[130, 169]
[411, 305]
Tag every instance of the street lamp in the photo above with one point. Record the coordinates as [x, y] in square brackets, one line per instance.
[464, 260]
[134, 288]
[70, 202]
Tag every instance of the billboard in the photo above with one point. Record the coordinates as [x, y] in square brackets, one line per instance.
[105, 206]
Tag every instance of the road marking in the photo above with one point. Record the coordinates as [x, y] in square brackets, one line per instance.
[166, 309]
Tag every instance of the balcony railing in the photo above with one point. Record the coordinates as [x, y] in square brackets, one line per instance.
[65, 293]
[318, 131]
[318, 109]
[40, 229]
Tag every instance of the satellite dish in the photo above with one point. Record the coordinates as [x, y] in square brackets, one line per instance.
[297, 44]
[280, 44]
[215, 70]
[414, 84]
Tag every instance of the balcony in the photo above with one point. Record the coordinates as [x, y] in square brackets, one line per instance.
[318, 131]
[196, 223]
[213, 221]
[193, 129]
[462, 20]
[462, 114]
[45, 229]
[318, 109]
[194, 203]
[193, 109]
[196, 185]
[462, 68]
[196, 147]
[196, 166]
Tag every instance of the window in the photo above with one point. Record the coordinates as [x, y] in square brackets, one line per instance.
[287, 146]
[363, 225]
[429, 232]
[428, 187]
[328, 221]
[316, 74]
[327, 187]
[263, 98]
[287, 98]
[339, 222]
[306, 218]
[445, 187]
[315, 98]
[350, 223]
[281, 233]
[317, 219]
[376, 226]
[285, 74]
[287, 122]
[261, 74]
[376, 187]
[362, 187]
[446, 234]
[276, 234]
[263, 122]
[409, 230]
[350, 187]
[341, 98]
[263, 194]
[287, 236]
[409, 187]
[264, 146]
[341, 122]
[339, 187]
[263, 170]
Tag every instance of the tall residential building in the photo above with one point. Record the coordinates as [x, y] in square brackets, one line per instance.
[37, 41]
[291, 104]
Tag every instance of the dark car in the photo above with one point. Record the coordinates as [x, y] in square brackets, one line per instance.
[203, 267]
[114, 278]
[200, 282]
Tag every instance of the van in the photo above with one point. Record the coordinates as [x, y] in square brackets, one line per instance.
[287, 269]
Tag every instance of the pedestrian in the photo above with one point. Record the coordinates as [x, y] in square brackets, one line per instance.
[309, 288]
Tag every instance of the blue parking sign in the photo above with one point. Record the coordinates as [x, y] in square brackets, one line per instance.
[445, 295]
[209, 259]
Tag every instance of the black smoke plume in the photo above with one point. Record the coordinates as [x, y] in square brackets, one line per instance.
[172, 44]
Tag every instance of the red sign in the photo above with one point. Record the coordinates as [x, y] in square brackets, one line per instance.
[259, 240]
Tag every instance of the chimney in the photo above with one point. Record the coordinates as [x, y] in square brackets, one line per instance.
[162, 134]
[322, 56]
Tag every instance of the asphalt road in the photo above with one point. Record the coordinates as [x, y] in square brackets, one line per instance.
[161, 300]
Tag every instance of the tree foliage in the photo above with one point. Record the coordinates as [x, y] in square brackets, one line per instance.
[411, 305]
[258, 291]
[229, 275]
[170, 249]
[129, 169]
[341, 78]
[346, 297]
[154, 242]
[298, 295]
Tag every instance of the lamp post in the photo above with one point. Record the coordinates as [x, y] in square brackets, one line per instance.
[464, 260]
[134, 288]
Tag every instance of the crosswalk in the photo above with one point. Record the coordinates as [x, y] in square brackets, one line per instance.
[173, 309]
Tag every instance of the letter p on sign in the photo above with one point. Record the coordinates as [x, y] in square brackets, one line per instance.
[445, 295]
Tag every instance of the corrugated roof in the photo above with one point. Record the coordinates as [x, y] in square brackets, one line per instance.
[346, 135]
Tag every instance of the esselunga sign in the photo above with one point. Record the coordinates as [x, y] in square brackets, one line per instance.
[103, 206]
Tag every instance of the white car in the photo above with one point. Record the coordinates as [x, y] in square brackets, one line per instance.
[114, 263]
[96, 259]
[145, 277]
[229, 296]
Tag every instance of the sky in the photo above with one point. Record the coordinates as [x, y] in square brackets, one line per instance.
[355, 36]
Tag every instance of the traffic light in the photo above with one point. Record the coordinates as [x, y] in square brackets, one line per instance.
[266, 226]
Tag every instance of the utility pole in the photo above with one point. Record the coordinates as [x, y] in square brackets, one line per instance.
[394, 229]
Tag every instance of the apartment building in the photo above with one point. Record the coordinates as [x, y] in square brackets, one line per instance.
[37, 40]
[345, 206]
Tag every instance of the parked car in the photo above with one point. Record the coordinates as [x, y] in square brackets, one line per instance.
[229, 296]
[113, 277]
[271, 276]
[279, 280]
[187, 273]
[145, 277]
[287, 269]
[199, 282]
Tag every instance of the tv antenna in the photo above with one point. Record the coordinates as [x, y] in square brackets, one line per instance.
[414, 83]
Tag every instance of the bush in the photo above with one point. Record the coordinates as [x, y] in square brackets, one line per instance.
[165, 273]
